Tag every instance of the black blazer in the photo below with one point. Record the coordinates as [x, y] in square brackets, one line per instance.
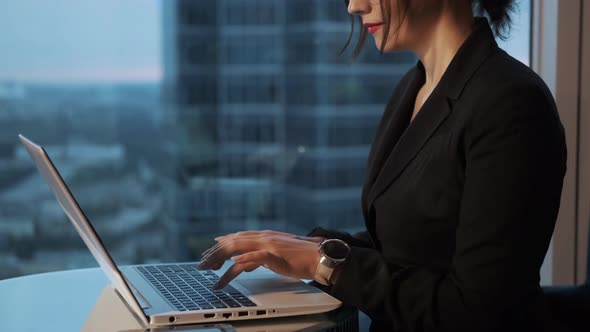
[460, 204]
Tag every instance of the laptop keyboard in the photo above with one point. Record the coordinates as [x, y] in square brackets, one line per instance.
[187, 288]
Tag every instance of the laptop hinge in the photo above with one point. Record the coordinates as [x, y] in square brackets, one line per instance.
[142, 301]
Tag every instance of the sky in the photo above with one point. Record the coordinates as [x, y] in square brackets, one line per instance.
[80, 40]
[106, 40]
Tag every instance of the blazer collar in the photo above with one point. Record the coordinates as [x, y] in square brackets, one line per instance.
[474, 51]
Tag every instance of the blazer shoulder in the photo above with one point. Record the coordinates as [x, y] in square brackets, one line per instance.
[505, 94]
[504, 80]
[502, 75]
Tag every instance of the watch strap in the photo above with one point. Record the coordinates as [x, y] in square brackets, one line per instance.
[323, 272]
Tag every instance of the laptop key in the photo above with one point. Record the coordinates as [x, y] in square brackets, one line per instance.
[187, 266]
[248, 304]
[234, 305]
[230, 289]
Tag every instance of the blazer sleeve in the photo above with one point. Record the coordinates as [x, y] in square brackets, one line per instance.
[360, 239]
[515, 157]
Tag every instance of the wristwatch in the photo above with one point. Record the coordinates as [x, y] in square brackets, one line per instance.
[333, 253]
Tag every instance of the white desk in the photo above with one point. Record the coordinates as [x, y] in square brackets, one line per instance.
[82, 300]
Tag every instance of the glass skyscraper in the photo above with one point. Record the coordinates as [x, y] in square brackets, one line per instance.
[273, 125]
[249, 119]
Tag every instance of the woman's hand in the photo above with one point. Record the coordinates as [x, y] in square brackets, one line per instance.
[283, 253]
[316, 239]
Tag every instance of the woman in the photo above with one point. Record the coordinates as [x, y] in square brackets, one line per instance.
[463, 186]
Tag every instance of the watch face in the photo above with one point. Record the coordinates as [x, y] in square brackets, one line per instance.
[335, 249]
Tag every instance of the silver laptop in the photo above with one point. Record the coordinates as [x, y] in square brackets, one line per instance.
[171, 294]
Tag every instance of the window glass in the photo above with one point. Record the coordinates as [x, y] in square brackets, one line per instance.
[518, 45]
[176, 121]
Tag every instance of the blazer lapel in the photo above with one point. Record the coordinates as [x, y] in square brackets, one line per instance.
[474, 51]
[432, 114]
[398, 113]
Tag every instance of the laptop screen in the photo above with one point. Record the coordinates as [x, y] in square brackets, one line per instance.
[84, 228]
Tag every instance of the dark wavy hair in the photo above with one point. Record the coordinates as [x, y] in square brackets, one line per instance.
[498, 12]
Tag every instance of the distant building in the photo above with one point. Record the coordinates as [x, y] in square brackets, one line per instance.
[273, 127]
[106, 145]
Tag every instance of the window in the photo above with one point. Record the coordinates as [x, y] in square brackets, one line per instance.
[518, 45]
[175, 121]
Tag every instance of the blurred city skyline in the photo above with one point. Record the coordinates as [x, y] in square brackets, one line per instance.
[169, 137]
[123, 49]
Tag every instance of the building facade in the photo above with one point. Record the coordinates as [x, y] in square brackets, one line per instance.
[276, 124]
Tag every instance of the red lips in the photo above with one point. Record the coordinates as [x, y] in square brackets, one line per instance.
[372, 27]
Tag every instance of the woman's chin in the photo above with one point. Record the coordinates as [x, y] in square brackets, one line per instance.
[377, 42]
[389, 47]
